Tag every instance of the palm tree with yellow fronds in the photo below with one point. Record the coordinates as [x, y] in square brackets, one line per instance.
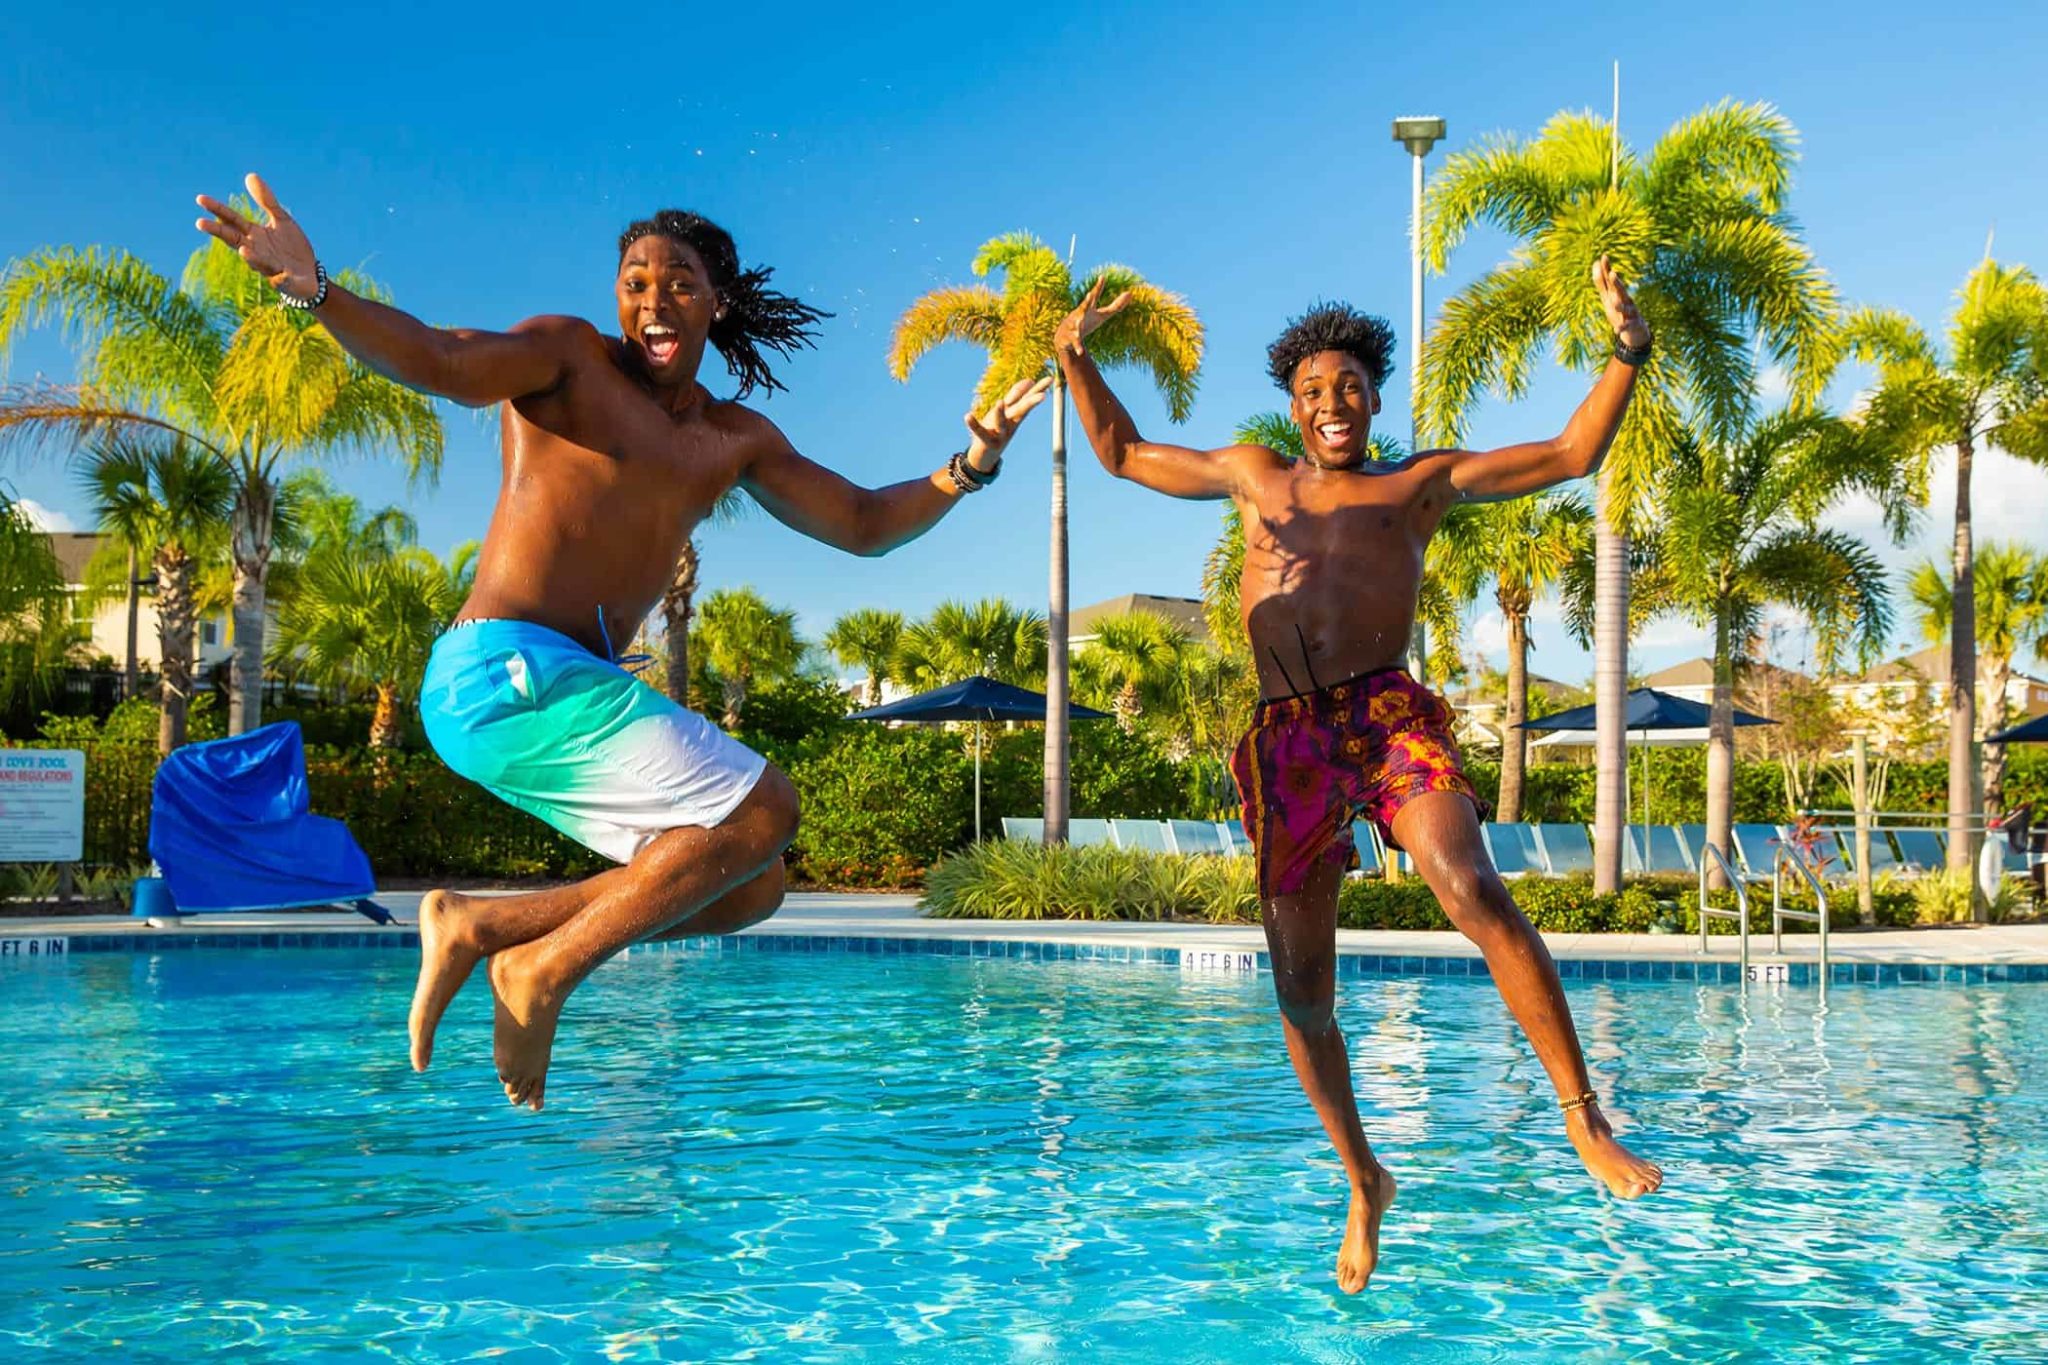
[215, 362]
[1156, 330]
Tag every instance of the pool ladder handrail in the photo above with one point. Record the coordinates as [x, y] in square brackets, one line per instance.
[1741, 912]
[1779, 914]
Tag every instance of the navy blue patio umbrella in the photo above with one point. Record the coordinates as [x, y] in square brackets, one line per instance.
[1646, 713]
[979, 699]
[2034, 731]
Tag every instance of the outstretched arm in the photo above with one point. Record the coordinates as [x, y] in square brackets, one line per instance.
[1179, 471]
[1512, 471]
[810, 498]
[476, 368]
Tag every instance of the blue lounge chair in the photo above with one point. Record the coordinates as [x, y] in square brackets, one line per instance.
[1149, 835]
[1758, 845]
[1084, 833]
[1566, 848]
[1921, 850]
[1882, 858]
[1667, 851]
[1197, 836]
[1514, 849]
[1234, 840]
[1366, 838]
[1026, 831]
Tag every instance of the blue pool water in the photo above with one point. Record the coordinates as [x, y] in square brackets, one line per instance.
[838, 1156]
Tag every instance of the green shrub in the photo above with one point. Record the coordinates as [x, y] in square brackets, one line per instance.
[1947, 898]
[1005, 879]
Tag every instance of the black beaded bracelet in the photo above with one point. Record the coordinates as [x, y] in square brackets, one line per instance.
[966, 478]
[1630, 355]
[319, 294]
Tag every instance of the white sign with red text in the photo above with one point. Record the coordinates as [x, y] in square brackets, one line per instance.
[42, 805]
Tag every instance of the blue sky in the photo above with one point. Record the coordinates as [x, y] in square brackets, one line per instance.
[482, 165]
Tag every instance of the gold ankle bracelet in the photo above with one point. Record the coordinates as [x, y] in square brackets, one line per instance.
[1590, 1097]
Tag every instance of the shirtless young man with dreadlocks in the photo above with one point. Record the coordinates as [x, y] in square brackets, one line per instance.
[1332, 572]
[613, 452]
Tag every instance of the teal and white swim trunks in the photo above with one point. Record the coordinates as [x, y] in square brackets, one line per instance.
[549, 727]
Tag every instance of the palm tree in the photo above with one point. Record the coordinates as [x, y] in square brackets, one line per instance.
[678, 599]
[251, 384]
[1524, 548]
[37, 632]
[989, 638]
[1157, 330]
[2010, 586]
[371, 621]
[1741, 532]
[746, 641]
[1700, 231]
[1992, 389]
[868, 640]
[157, 493]
[1135, 657]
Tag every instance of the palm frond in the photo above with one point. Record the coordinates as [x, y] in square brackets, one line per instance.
[1157, 330]
[1750, 148]
[1498, 182]
[1274, 430]
[37, 417]
[973, 314]
[1486, 340]
[95, 295]
[1835, 581]
[372, 414]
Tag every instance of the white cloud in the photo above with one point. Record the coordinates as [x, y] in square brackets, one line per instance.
[1773, 385]
[46, 519]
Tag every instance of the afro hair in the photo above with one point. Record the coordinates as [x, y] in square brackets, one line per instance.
[1333, 327]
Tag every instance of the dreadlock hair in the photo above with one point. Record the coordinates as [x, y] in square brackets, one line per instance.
[755, 315]
[1333, 327]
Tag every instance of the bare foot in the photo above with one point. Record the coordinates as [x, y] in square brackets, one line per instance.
[1360, 1253]
[524, 1033]
[448, 954]
[1622, 1171]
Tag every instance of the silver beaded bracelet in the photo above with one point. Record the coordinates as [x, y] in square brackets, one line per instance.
[319, 295]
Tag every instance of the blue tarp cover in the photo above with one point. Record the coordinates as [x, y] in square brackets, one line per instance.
[230, 829]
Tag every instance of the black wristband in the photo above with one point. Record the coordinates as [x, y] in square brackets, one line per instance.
[1630, 355]
[963, 475]
[319, 294]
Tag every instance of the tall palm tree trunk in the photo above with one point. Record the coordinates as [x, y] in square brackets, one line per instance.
[1610, 689]
[1962, 681]
[676, 609]
[1514, 741]
[131, 677]
[254, 508]
[1721, 750]
[1056, 631]
[174, 645]
[1996, 682]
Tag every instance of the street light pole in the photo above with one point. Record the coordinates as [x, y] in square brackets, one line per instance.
[1418, 135]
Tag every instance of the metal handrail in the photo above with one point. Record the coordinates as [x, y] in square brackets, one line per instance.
[1740, 914]
[1779, 914]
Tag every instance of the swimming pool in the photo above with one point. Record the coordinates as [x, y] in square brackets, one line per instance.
[833, 1155]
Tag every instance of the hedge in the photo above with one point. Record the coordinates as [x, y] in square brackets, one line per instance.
[1029, 881]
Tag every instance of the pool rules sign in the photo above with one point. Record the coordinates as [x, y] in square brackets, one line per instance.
[42, 805]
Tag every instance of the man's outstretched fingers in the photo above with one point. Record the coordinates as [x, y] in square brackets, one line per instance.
[263, 194]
